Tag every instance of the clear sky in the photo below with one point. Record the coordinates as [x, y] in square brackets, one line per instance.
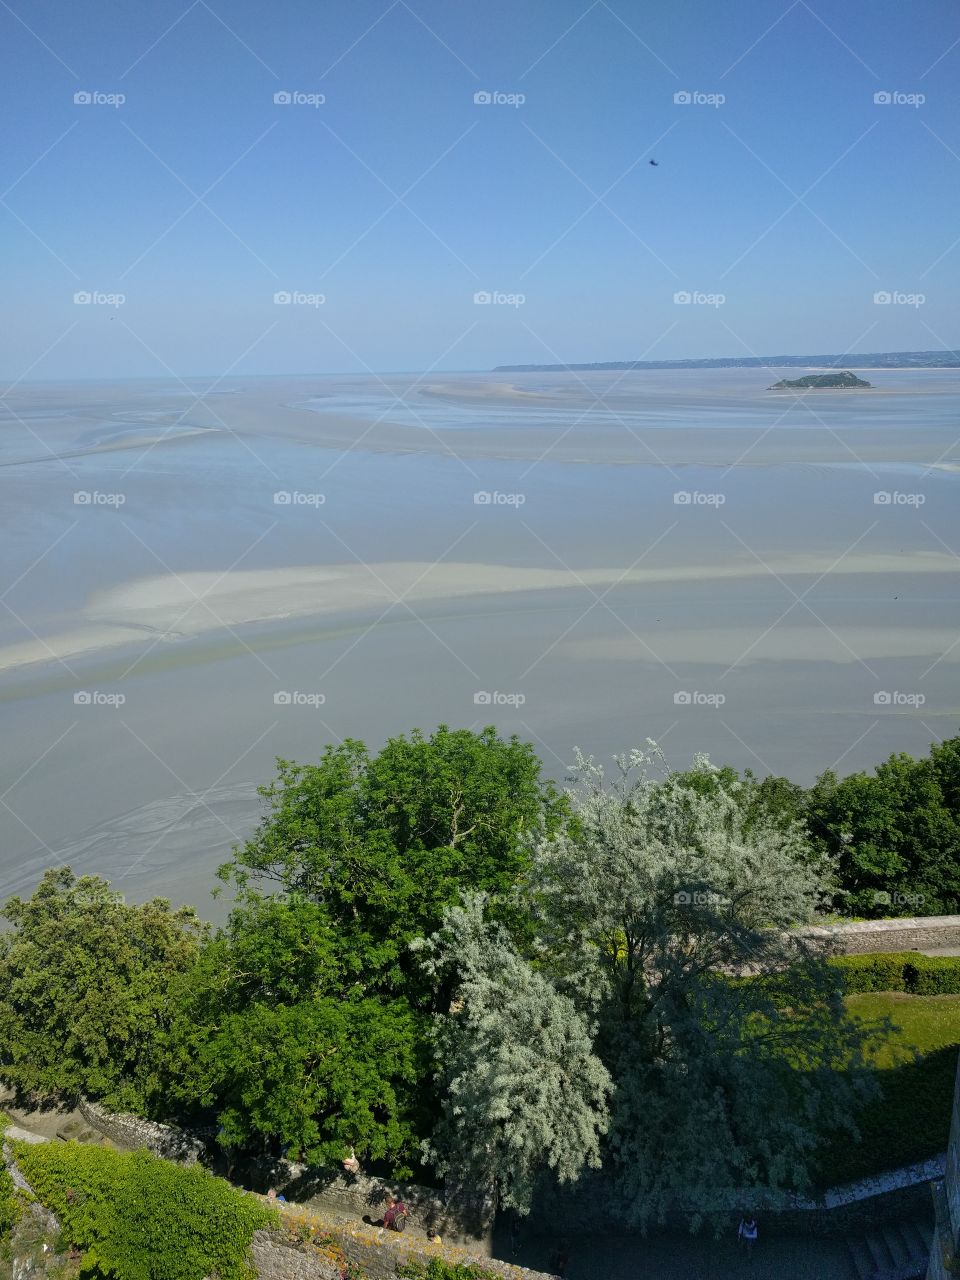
[783, 186]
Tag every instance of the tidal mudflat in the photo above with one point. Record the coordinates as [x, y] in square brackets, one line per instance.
[201, 578]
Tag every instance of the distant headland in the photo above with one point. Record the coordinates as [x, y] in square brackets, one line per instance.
[821, 382]
[876, 360]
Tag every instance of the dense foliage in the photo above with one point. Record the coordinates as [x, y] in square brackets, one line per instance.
[305, 1026]
[84, 991]
[10, 1205]
[646, 910]
[440, 963]
[140, 1218]
[523, 1089]
[385, 843]
[288, 1041]
[894, 835]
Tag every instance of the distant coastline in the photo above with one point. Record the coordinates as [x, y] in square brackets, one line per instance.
[876, 360]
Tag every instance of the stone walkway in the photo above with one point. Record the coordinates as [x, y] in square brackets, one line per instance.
[684, 1257]
[46, 1122]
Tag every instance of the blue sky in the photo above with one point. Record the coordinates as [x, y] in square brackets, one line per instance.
[795, 199]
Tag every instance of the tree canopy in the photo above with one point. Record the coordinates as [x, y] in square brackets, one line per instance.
[84, 985]
[306, 1025]
[661, 942]
[281, 1036]
[384, 843]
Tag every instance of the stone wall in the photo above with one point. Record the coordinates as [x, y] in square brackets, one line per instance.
[460, 1218]
[376, 1252]
[276, 1258]
[921, 933]
[942, 1254]
[131, 1132]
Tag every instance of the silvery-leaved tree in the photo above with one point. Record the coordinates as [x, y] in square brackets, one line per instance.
[665, 911]
[661, 928]
[523, 1090]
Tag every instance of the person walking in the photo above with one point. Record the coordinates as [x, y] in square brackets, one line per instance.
[395, 1217]
[747, 1233]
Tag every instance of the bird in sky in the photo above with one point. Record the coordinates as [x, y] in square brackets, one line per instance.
[655, 163]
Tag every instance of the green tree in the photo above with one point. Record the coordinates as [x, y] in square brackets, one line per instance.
[305, 1028]
[895, 834]
[85, 979]
[280, 1037]
[386, 842]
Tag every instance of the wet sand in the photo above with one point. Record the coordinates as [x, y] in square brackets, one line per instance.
[679, 559]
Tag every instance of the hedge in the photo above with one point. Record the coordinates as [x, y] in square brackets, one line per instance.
[137, 1217]
[900, 971]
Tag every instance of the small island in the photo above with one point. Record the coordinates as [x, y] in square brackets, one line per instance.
[821, 382]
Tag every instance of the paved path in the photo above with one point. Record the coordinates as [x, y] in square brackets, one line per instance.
[684, 1257]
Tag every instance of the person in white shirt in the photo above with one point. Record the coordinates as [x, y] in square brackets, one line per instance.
[747, 1233]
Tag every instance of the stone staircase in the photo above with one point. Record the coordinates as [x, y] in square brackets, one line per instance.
[893, 1251]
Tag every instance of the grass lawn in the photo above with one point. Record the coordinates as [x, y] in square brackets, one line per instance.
[910, 1121]
[923, 1023]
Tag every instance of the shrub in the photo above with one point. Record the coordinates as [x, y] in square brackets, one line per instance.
[881, 972]
[137, 1217]
[933, 975]
[899, 971]
[438, 1269]
[10, 1207]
